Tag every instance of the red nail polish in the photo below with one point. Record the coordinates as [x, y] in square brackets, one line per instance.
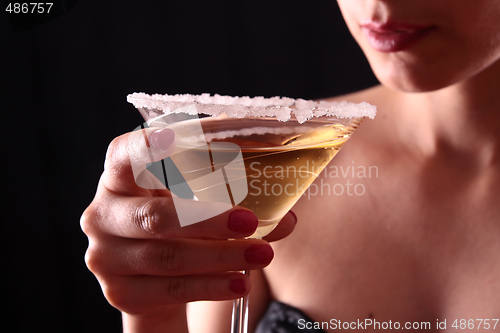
[243, 221]
[238, 286]
[260, 254]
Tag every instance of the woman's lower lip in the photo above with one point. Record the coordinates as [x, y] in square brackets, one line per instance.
[394, 41]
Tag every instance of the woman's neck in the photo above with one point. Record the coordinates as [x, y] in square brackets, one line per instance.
[463, 119]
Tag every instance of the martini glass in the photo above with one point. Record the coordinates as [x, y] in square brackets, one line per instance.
[258, 153]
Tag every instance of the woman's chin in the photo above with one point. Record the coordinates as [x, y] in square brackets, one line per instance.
[411, 82]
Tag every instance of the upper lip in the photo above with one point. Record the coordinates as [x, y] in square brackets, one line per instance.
[393, 27]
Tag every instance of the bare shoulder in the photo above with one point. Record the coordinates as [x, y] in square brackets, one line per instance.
[387, 102]
[377, 95]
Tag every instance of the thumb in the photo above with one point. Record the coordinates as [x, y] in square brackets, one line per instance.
[145, 147]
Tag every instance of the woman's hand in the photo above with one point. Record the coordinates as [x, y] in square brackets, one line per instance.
[147, 264]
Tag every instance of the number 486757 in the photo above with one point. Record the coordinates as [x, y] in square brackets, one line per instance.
[29, 7]
[475, 324]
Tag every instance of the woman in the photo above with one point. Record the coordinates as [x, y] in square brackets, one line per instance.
[420, 244]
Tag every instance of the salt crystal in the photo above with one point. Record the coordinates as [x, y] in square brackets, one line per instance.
[240, 107]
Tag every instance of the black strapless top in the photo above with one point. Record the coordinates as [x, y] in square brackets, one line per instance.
[282, 318]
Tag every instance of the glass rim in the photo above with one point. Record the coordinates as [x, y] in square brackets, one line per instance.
[282, 108]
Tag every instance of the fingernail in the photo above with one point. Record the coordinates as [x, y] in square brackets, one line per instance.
[260, 254]
[238, 286]
[294, 216]
[243, 221]
[162, 139]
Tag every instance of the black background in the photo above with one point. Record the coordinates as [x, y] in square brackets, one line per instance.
[63, 99]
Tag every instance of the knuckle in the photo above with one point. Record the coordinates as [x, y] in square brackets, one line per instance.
[94, 259]
[177, 290]
[118, 295]
[93, 255]
[148, 217]
[88, 219]
[115, 156]
[207, 290]
[222, 256]
[207, 227]
[93, 217]
[113, 147]
[171, 260]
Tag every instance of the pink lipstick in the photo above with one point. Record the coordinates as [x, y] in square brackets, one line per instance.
[393, 37]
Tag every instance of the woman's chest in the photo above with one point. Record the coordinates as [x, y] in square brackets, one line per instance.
[396, 252]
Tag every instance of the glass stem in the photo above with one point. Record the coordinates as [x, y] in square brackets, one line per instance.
[240, 313]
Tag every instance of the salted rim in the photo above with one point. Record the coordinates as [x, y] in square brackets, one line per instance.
[239, 107]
